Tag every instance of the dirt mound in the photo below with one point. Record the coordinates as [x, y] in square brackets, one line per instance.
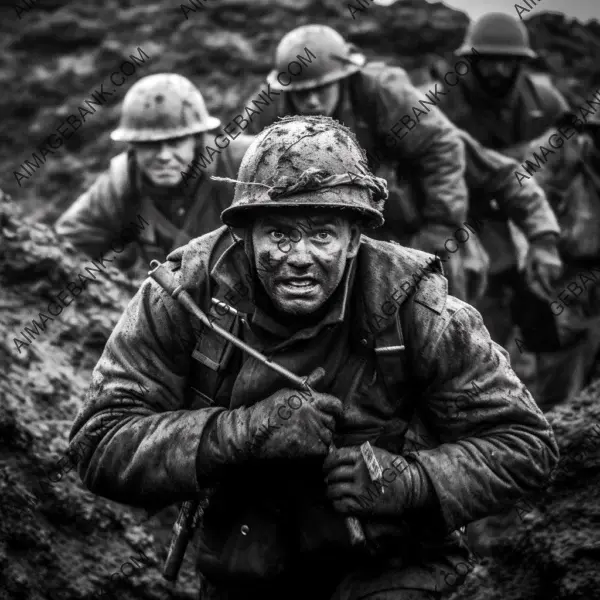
[58, 541]
[550, 549]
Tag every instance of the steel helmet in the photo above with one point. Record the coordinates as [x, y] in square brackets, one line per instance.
[306, 161]
[335, 60]
[497, 34]
[161, 107]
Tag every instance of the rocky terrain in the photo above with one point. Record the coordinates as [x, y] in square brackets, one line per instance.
[59, 542]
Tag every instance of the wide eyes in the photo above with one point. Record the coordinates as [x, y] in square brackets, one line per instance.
[294, 237]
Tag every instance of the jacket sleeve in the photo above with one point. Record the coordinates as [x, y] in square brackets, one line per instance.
[495, 443]
[134, 437]
[493, 174]
[92, 222]
[432, 145]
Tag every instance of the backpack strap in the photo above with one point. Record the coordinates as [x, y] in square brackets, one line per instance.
[212, 352]
[388, 349]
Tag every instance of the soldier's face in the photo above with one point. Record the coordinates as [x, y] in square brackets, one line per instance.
[301, 261]
[321, 100]
[498, 73]
[163, 162]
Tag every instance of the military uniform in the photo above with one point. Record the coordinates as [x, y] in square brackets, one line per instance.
[174, 216]
[153, 457]
[496, 197]
[176, 409]
[572, 181]
[506, 124]
[147, 219]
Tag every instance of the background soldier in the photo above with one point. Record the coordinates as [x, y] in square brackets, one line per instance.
[504, 107]
[375, 100]
[571, 179]
[495, 194]
[388, 350]
[165, 120]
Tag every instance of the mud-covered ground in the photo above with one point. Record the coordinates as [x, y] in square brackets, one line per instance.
[58, 541]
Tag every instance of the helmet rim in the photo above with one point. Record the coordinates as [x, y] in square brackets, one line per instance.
[125, 134]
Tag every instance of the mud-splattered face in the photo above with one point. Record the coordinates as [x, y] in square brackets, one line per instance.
[321, 100]
[301, 261]
[164, 161]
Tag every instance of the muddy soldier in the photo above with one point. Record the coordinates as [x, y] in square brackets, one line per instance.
[373, 99]
[504, 107]
[165, 121]
[387, 350]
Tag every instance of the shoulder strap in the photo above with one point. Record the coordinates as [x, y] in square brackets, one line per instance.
[211, 350]
[389, 350]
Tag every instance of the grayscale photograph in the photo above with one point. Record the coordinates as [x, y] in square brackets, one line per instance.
[300, 300]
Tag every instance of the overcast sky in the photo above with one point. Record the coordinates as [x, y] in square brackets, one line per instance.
[581, 9]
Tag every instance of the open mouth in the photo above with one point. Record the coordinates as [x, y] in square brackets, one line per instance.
[297, 285]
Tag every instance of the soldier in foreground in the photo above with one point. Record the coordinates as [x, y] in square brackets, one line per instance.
[164, 119]
[373, 99]
[392, 359]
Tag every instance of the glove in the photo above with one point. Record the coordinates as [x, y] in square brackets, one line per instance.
[404, 485]
[542, 266]
[288, 424]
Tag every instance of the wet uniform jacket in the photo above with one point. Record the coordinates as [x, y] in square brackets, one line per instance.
[430, 154]
[505, 125]
[497, 196]
[122, 199]
[474, 428]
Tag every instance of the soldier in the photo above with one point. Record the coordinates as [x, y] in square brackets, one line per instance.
[388, 350]
[164, 119]
[503, 107]
[497, 196]
[375, 100]
[571, 179]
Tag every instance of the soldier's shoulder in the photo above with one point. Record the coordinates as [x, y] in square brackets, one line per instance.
[192, 262]
[395, 267]
[382, 73]
[545, 90]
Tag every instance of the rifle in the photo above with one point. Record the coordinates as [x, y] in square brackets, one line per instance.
[191, 511]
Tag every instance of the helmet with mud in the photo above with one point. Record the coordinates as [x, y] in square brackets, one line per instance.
[336, 58]
[161, 107]
[497, 34]
[306, 162]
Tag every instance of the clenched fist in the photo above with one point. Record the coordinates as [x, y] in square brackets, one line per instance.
[288, 424]
[350, 489]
